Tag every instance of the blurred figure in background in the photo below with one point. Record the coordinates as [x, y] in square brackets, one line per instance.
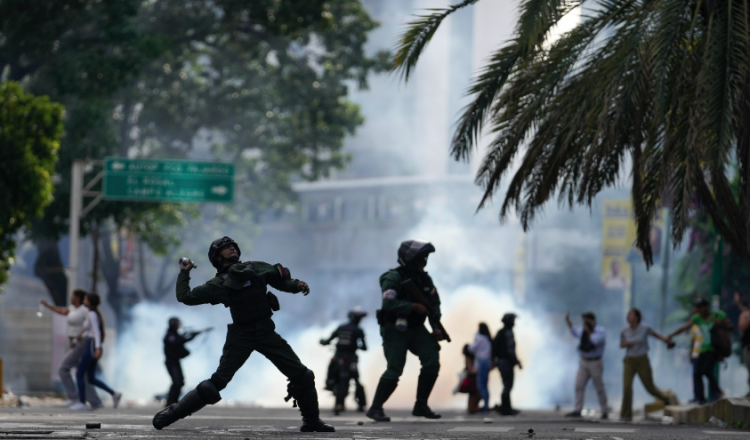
[709, 321]
[75, 316]
[744, 327]
[343, 366]
[174, 350]
[591, 366]
[481, 348]
[634, 338]
[92, 337]
[696, 342]
[504, 354]
[468, 382]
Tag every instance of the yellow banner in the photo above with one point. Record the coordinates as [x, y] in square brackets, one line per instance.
[618, 240]
[618, 236]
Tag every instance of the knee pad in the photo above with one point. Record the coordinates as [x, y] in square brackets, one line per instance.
[307, 380]
[208, 392]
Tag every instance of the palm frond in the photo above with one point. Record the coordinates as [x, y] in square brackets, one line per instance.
[418, 33]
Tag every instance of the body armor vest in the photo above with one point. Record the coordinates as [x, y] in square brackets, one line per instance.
[414, 319]
[347, 335]
[250, 303]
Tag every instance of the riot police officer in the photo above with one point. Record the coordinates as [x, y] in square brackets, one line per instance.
[343, 366]
[241, 287]
[402, 327]
[174, 350]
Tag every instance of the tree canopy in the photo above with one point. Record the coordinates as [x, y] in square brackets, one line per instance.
[661, 87]
[263, 83]
[30, 132]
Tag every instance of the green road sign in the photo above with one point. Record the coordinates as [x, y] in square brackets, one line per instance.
[166, 180]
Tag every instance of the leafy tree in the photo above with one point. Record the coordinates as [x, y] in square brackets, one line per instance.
[662, 86]
[30, 131]
[265, 80]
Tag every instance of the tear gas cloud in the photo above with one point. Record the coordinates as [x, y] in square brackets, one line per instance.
[540, 342]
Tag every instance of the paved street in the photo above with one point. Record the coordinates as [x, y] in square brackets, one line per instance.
[252, 423]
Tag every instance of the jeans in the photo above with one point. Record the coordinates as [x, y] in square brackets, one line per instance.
[705, 366]
[70, 361]
[507, 375]
[87, 368]
[483, 372]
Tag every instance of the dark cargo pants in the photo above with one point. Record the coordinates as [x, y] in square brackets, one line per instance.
[416, 340]
[243, 340]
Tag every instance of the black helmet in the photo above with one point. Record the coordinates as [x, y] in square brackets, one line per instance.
[217, 246]
[356, 314]
[174, 322]
[411, 249]
[509, 318]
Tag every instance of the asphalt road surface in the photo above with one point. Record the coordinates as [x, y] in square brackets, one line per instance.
[223, 422]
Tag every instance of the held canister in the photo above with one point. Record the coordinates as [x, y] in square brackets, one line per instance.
[185, 260]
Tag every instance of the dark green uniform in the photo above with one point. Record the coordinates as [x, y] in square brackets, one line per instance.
[241, 287]
[416, 339]
[243, 339]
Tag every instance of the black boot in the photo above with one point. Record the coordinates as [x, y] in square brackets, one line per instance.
[306, 397]
[189, 404]
[205, 393]
[424, 387]
[384, 391]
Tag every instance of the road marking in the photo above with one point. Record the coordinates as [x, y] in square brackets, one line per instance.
[727, 432]
[359, 428]
[481, 429]
[604, 430]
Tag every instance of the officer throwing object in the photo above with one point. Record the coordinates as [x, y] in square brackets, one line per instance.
[409, 298]
[343, 366]
[241, 287]
[174, 350]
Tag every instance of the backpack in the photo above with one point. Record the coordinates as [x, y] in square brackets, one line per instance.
[721, 341]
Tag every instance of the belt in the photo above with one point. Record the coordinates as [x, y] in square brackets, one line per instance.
[591, 359]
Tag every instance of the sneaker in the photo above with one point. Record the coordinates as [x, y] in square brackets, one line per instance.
[573, 414]
[70, 402]
[605, 416]
[510, 412]
[626, 418]
[116, 399]
[78, 406]
[93, 407]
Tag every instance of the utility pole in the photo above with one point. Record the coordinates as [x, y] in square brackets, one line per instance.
[77, 212]
[665, 269]
[717, 273]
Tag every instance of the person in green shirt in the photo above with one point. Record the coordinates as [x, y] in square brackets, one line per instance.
[241, 287]
[402, 328]
[705, 319]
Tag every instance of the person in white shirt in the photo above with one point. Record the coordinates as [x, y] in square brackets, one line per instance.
[591, 366]
[482, 350]
[92, 337]
[75, 315]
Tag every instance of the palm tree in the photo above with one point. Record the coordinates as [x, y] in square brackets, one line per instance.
[658, 86]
